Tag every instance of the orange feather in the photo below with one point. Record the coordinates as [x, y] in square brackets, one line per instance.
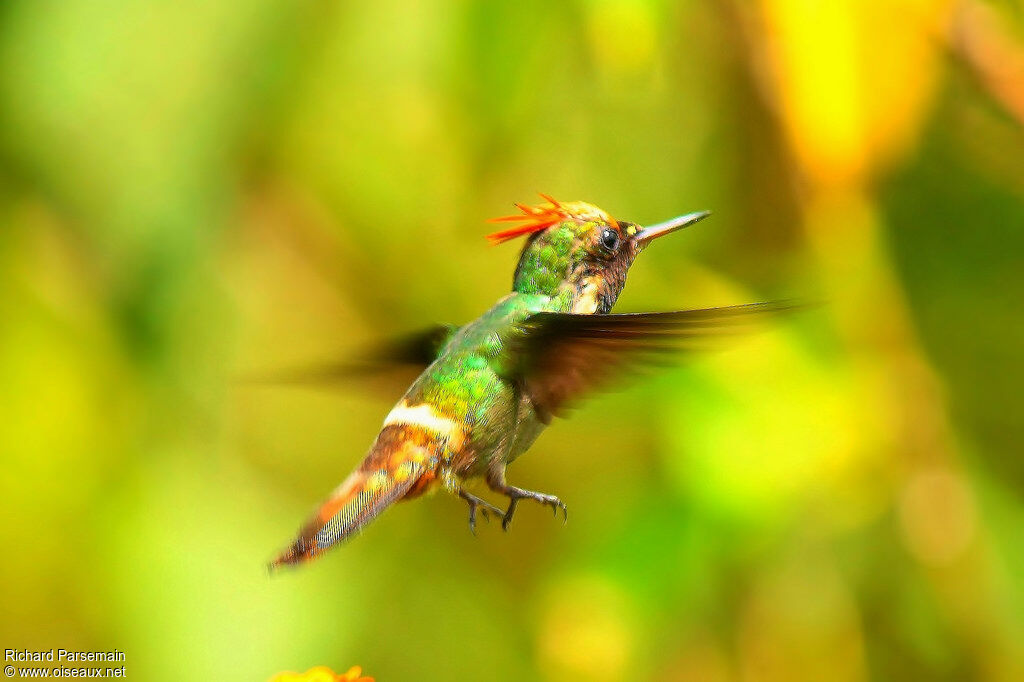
[537, 218]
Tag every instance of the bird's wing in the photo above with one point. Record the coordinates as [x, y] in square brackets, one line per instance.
[399, 356]
[561, 356]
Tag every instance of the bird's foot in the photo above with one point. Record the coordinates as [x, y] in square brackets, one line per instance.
[485, 507]
[516, 494]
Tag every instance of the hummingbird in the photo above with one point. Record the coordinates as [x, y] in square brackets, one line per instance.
[490, 387]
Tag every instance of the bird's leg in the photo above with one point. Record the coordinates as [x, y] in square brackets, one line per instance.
[496, 481]
[496, 471]
[474, 502]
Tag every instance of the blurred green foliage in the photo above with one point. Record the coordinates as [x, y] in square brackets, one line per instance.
[193, 190]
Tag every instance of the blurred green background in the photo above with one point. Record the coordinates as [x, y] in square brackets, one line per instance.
[191, 191]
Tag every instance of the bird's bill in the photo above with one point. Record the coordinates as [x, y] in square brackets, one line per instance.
[646, 235]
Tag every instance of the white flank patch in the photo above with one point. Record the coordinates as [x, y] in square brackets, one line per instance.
[423, 415]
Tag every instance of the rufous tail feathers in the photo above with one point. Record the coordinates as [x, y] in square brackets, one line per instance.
[402, 463]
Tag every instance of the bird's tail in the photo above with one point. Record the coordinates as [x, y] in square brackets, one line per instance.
[401, 464]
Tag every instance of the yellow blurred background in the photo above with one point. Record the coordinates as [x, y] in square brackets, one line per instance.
[194, 190]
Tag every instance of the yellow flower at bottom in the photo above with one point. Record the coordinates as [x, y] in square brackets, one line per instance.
[323, 674]
[354, 674]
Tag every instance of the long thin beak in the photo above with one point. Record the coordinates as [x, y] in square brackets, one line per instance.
[644, 236]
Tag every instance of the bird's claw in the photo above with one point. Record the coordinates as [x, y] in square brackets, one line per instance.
[516, 494]
[485, 507]
[506, 518]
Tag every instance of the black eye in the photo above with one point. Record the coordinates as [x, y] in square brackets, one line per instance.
[610, 239]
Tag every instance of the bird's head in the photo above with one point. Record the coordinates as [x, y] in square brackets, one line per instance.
[576, 250]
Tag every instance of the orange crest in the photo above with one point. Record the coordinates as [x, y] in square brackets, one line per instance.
[537, 218]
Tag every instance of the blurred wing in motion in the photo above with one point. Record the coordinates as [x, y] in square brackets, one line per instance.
[405, 357]
[564, 355]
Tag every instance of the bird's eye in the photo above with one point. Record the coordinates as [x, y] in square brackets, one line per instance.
[610, 239]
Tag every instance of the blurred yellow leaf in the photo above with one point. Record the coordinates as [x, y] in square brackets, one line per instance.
[853, 78]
